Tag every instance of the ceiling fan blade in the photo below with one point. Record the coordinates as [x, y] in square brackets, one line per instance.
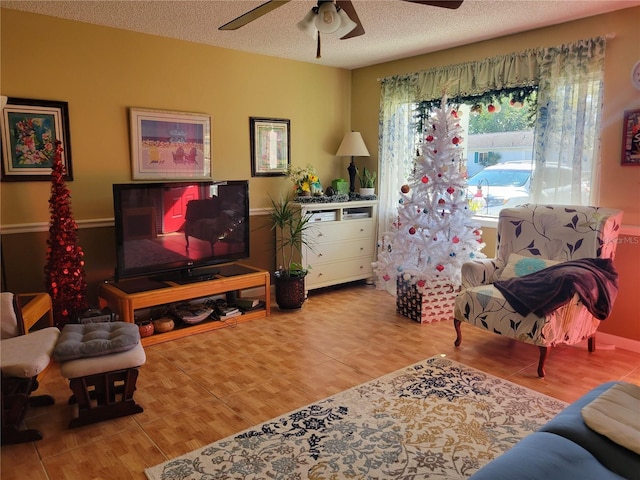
[350, 10]
[252, 15]
[452, 4]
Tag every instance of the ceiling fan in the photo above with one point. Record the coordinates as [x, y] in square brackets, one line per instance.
[327, 17]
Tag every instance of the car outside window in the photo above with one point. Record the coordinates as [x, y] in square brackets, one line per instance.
[501, 178]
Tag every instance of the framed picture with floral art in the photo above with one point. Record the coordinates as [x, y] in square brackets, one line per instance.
[169, 145]
[30, 129]
[270, 140]
[631, 138]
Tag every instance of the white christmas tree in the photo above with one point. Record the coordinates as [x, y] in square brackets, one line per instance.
[434, 233]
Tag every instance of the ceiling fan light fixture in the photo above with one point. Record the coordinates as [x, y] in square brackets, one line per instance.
[308, 25]
[346, 24]
[327, 20]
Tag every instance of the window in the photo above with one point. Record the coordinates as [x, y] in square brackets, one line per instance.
[565, 135]
[499, 152]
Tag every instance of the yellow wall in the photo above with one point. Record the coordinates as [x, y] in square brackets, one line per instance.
[101, 71]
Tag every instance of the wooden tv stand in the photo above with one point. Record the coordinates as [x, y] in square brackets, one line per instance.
[129, 295]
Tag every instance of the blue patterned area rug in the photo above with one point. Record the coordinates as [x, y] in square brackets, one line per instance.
[436, 419]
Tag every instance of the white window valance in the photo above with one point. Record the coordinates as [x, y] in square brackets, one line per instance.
[526, 68]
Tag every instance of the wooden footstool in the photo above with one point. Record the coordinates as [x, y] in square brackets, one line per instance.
[101, 361]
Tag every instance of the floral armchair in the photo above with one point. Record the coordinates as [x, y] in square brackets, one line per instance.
[531, 238]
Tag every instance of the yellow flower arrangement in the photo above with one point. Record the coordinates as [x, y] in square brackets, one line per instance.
[305, 180]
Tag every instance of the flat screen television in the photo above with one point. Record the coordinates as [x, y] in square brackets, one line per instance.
[179, 231]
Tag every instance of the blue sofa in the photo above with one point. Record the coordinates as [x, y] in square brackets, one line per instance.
[565, 449]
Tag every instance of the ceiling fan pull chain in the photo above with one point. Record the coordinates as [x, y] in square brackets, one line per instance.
[318, 49]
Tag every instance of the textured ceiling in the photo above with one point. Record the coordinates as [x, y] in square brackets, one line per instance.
[394, 29]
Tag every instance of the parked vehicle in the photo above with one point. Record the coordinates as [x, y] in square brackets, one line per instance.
[508, 185]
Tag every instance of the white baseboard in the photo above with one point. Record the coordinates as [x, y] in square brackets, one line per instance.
[606, 341]
[618, 342]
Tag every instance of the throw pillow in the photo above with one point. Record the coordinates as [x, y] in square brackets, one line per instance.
[519, 265]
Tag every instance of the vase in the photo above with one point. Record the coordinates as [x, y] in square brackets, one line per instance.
[146, 329]
[163, 325]
[367, 192]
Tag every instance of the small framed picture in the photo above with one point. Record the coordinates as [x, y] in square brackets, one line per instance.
[270, 140]
[30, 130]
[631, 138]
[169, 145]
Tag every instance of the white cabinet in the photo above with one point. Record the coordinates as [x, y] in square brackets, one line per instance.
[342, 242]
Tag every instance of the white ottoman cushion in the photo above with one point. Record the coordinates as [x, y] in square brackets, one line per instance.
[18, 353]
[83, 367]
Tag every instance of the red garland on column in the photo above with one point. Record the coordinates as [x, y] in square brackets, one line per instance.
[64, 269]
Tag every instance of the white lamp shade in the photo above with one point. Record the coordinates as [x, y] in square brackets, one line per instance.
[346, 24]
[352, 146]
[327, 20]
[308, 25]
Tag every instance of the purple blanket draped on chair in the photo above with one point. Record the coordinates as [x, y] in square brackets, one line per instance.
[595, 280]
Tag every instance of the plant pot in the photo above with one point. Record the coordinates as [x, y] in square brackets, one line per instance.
[290, 292]
[367, 192]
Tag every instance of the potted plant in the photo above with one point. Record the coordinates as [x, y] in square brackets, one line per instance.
[367, 182]
[291, 228]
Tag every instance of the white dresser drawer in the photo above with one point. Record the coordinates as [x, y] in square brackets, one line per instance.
[339, 272]
[331, 252]
[328, 232]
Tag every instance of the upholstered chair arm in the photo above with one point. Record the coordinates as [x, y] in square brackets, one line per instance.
[478, 272]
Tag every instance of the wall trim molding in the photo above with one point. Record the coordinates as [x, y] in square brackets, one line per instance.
[491, 222]
[91, 223]
[630, 230]
[607, 341]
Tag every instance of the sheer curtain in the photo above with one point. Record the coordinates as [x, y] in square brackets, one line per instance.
[569, 80]
[568, 120]
[396, 144]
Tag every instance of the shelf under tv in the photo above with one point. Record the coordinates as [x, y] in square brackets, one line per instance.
[128, 295]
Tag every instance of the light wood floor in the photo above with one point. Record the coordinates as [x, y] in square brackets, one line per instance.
[205, 387]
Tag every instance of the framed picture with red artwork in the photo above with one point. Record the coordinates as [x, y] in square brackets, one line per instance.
[30, 129]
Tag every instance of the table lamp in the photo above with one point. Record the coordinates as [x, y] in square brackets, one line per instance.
[352, 145]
